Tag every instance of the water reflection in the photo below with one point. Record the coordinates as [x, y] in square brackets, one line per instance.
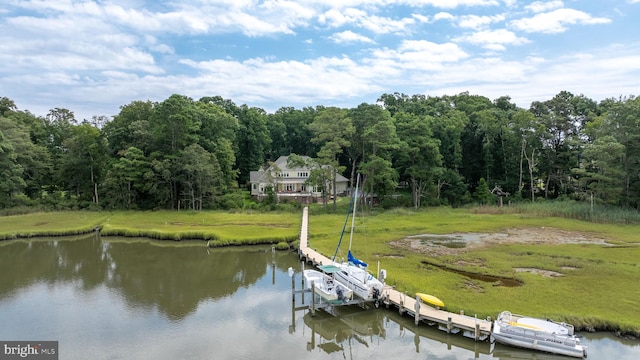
[336, 330]
[115, 298]
[349, 330]
[167, 276]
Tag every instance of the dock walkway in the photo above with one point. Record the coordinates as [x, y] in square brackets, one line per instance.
[472, 327]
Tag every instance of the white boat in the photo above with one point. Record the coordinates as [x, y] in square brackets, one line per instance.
[353, 273]
[327, 287]
[358, 279]
[537, 334]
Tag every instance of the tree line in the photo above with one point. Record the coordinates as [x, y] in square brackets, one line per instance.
[442, 150]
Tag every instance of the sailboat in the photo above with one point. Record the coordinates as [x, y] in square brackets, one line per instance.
[353, 273]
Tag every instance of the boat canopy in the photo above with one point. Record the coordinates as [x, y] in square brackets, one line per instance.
[329, 269]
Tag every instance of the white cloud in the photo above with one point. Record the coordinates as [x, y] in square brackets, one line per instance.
[258, 80]
[421, 54]
[349, 36]
[163, 49]
[478, 22]
[443, 16]
[493, 39]
[555, 21]
[542, 6]
[335, 18]
[450, 4]
[537, 79]
[383, 25]
[93, 57]
[421, 18]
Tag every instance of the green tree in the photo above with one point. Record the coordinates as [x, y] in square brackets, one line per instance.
[529, 131]
[125, 182]
[373, 142]
[253, 141]
[218, 132]
[483, 194]
[33, 158]
[561, 142]
[418, 154]
[602, 170]
[84, 163]
[130, 127]
[59, 123]
[332, 129]
[175, 125]
[201, 177]
[7, 105]
[290, 132]
[622, 121]
[11, 182]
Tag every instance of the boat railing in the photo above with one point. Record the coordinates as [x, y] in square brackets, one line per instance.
[567, 340]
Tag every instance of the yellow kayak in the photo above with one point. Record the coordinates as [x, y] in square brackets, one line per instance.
[430, 299]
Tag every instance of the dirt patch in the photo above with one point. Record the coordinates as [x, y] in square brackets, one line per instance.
[456, 243]
[568, 268]
[545, 273]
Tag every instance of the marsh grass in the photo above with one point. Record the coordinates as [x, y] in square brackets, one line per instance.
[218, 228]
[50, 224]
[597, 289]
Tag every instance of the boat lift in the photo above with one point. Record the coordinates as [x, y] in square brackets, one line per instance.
[316, 302]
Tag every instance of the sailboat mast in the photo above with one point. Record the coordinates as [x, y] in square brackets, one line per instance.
[355, 206]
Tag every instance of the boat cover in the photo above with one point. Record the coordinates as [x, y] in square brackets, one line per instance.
[355, 261]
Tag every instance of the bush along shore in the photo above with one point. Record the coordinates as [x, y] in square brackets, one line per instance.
[560, 279]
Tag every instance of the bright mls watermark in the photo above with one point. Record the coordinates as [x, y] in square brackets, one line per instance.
[10, 350]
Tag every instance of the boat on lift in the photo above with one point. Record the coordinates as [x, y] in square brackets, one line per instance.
[326, 286]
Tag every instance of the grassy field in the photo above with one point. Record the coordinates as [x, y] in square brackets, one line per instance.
[598, 287]
[218, 228]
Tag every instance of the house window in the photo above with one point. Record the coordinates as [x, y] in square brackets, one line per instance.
[303, 174]
[255, 186]
[289, 187]
[283, 174]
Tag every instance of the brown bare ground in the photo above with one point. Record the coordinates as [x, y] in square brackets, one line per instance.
[433, 244]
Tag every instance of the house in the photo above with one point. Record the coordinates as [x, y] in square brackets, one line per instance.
[290, 183]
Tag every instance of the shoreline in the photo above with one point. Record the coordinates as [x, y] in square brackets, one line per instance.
[177, 229]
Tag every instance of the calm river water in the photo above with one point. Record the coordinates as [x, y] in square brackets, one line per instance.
[114, 298]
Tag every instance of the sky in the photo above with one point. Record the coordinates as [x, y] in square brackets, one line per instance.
[92, 57]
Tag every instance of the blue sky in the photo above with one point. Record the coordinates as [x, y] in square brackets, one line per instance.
[92, 57]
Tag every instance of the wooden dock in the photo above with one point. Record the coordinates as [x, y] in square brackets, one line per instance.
[452, 323]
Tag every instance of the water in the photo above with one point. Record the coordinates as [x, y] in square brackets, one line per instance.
[113, 298]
